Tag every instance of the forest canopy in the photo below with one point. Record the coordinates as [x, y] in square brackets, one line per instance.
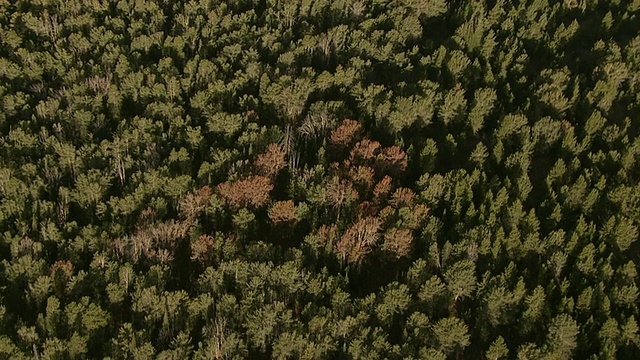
[326, 179]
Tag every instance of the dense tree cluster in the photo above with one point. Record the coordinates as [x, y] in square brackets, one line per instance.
[372, 179]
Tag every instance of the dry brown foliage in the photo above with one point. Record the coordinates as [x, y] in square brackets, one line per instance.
[392, 159]
[398, 242]
[146, 218]
[201, 248]
[358, 240]
[367, 208]
[193, 204]
[282, 211]
[272, 161]
[386, 214]
[362, 176]
[251, 114]
[328, 234]
[402, 197]
[336, 168]
[345, 133]
[249, 192]
[364, 151]
[65, 267]
[340, 192]
[419, 214]
[383, 188]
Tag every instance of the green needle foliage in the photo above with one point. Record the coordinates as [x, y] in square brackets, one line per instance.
[371, 179]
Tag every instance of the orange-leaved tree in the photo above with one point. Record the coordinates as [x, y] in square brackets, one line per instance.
[271, 162]
[282, 211]
[252, 191]
[358, 240]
